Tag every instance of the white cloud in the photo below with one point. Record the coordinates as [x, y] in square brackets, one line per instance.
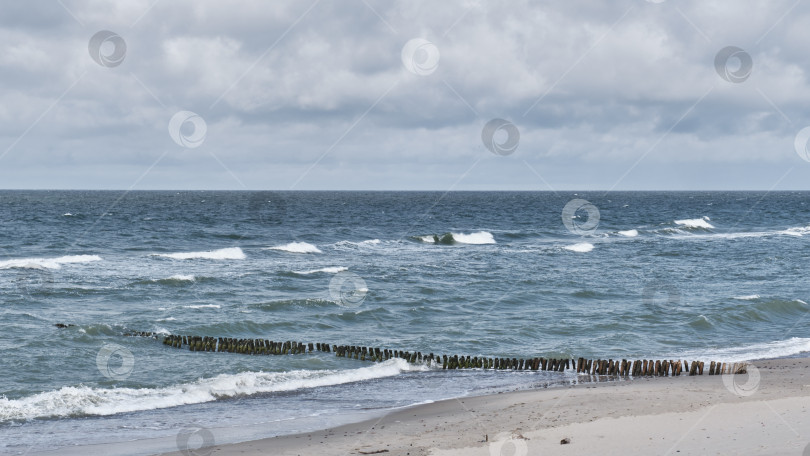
[592, 87]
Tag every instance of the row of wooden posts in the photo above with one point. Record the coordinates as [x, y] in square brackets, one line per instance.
[610, 367]
[655, 368]
[244, 346]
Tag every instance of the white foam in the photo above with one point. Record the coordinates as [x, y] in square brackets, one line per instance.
[67, 214]
[764, 350]
[796, 231]
[629, 233]
[230, 253]
[47, 263]
[202, 306]
[84, 400]
[430, 239]
[480, 237]
[296, 247]
[582, 247]
[747, 297]
[332, 270]
[696, 223]
[182, 277]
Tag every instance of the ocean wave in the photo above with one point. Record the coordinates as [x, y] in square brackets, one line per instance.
[75, 401]
[480, 237]
[765, 350]
[332, 270]
[202, 306]
[701, 322]
[230, 253]
[477, 238]
[797, 231]
[47, 263]
[628, 233]
[367, 242]
[179, 278]
[747, 297]
[582, 247]
[296, 247]
[781, 306]
[700, 223]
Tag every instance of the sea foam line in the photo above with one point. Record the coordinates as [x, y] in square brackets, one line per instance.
[332, 270]
[230, 253]
[47, 263]
[764, 350]
[85, 400]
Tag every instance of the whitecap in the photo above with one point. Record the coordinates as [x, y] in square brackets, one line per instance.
[747, 297]
[47, 263]
[582, 247]
[182, 278]
[480, 237]
[797, 231]
[230, 253]
[629, 233]
[296, 247]
[202, 306]
[331, 270]
[696, 223]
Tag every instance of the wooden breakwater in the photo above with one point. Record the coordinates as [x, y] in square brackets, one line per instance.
[602, 367]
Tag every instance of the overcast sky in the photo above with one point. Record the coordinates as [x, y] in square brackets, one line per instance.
[368, 94]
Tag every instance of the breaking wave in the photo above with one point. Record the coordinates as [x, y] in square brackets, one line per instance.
[296, 247]
[75, 401]
[231, 253]
[477, 238]
[47, 263]
[699, 223]
[582, 247]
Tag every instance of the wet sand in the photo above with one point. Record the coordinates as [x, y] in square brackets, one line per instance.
[766, 411]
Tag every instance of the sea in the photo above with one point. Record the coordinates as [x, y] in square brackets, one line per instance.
[654, 275]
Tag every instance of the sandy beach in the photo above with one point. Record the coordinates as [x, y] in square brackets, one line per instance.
[763, 412]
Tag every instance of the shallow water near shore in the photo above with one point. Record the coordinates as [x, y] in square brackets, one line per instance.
[709, 275]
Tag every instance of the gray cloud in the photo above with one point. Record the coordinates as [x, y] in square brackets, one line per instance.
[314, 95]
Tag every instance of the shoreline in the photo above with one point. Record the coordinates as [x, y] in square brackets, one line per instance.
[766, 411]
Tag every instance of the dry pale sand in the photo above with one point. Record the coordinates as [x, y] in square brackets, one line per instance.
[765, 412]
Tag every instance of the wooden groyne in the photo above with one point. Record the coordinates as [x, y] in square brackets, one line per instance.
[599, 367]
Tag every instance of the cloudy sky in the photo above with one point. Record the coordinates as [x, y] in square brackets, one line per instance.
[373, 94]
